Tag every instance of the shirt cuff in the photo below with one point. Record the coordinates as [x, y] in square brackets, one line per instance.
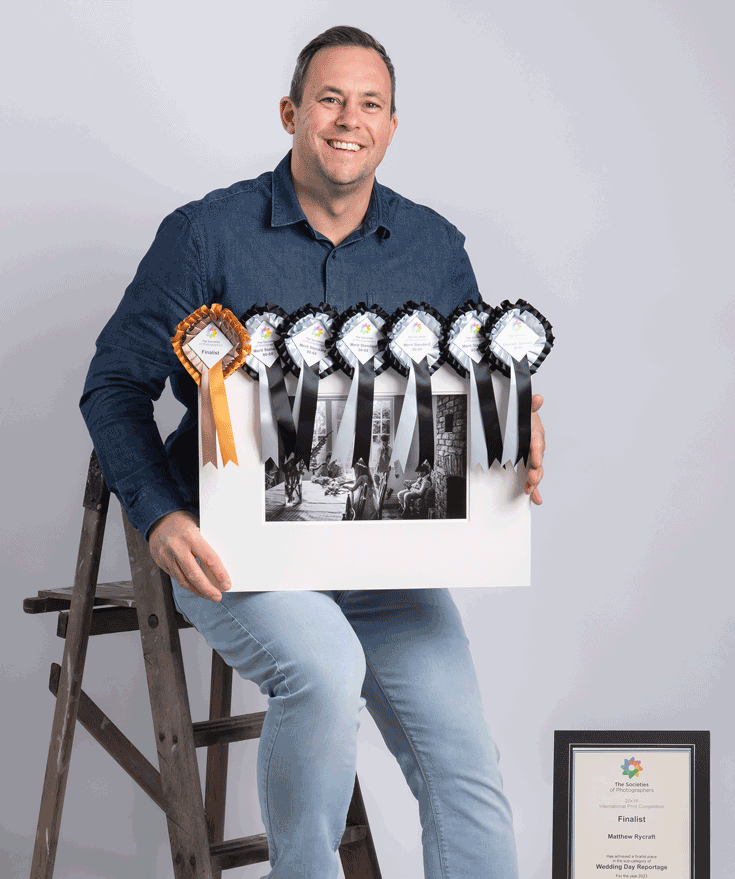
[146, 504]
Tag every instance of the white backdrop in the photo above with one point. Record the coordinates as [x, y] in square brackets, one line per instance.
[586, 150]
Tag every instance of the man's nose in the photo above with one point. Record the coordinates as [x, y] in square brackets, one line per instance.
[348, 117]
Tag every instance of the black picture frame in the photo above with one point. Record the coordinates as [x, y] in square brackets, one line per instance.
[697, 742]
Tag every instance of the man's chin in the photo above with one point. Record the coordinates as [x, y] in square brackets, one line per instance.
[349, 183]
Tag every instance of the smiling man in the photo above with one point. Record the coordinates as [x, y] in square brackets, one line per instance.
[342, 119]
[317, 229]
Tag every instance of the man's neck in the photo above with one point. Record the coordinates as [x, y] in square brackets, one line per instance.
[334, 214]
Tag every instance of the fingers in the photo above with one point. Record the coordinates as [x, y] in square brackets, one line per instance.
[536, 452]
[534, 477]
[176, 546]
[538, 442]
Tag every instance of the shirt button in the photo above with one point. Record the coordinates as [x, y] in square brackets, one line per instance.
[334, 254]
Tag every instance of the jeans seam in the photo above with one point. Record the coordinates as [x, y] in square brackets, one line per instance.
[429, 784]
[266, 774]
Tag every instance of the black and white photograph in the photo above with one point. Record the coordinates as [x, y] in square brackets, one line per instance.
[379, 489]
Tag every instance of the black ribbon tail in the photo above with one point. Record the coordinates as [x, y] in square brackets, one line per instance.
[307, 413]
[489, 411]
[523, 382]
[281, 409]
[364, 416]
[424, 412]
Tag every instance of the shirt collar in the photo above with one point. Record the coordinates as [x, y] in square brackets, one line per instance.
[285, 207]
[286, 210]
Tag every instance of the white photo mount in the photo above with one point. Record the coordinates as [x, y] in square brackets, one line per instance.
[491, 547]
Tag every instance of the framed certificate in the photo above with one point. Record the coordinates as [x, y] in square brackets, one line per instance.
[631, 804]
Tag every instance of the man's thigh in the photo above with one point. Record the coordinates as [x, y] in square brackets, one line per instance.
[297, 637]
[420, 680]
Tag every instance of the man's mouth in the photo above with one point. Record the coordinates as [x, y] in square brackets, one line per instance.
[344, 145]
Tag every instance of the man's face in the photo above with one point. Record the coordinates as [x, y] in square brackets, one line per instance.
[343, 126]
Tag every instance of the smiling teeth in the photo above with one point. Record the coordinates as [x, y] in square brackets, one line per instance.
[341, 145]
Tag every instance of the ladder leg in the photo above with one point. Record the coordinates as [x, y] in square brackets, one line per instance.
[96, 500]
[171, 714]
[359, 859]
[215, 791]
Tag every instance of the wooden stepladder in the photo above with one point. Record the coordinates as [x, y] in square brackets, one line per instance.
[195, 824]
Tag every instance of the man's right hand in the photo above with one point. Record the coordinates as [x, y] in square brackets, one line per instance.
[176, 544]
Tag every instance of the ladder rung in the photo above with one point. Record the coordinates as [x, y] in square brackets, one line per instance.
[228, 729]
[120, 592]
[110, 619]
[239, 852]
[254, 849]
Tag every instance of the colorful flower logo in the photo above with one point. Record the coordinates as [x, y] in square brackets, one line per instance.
[631, 767]
[517, 324]
[365, 328]
[211, 333]
[417, 326]
[474, 328]
[318, 332]
[265, 332]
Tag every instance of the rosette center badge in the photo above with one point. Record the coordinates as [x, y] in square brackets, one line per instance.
[363, 340]
[417, 340]
[470, 340]
[211, 345]
[312, 342]
[263, 342]
[517, 338]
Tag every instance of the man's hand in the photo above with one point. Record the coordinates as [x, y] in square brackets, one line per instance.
[176, 543]
[536, 456]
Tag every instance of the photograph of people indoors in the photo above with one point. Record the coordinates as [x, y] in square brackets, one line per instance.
[330, 490]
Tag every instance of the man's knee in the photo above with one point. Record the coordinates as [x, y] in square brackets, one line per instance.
[330, 675]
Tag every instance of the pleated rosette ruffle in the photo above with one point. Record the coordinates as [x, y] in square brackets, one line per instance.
[466, 350]
[304, 347]
[358, 348]
[415, 349]
[265, 324]
[211, 343]
[519, 341]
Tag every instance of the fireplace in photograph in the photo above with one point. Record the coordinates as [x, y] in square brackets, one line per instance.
[450, 469]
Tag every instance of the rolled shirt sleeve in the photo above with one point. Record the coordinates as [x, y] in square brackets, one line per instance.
[134, 357]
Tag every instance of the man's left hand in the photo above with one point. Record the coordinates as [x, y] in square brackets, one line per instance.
[536, 456]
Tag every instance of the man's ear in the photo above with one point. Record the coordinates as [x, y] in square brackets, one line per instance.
[288, 111]
[393, 126]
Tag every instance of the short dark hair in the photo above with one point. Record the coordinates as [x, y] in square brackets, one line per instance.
[342, 35]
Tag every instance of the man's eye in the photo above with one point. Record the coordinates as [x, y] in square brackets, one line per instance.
[330, 100]
[372, 106]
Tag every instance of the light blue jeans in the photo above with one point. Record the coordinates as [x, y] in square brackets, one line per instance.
[321, 656]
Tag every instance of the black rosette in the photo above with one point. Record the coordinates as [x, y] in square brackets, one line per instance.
[409, 354]
[304, 347]
[358, 347]
[518, 342]
[506, 314]
[398, 321]
[466, 352]
[265, 324]
[254, 317]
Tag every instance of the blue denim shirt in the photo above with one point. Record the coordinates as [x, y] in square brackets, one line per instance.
[247, 244]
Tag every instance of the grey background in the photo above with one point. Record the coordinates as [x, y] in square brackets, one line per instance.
[586, 150]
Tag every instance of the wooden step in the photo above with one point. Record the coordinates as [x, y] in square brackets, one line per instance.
[109, 619]
[254, 849]
[118, 593]
[228, 729]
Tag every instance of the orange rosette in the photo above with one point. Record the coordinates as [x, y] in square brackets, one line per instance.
[211, 344]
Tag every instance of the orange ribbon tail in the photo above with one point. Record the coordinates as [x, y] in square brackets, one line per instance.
[222, 422]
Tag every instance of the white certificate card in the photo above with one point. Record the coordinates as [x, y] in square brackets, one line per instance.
[631, 813]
